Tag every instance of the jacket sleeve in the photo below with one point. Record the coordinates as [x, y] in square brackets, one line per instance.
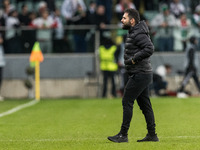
[145, 47]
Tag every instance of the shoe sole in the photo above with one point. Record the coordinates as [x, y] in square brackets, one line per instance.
[147, 141]
[117, 141]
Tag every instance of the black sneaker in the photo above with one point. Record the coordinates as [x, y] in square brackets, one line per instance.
[149, 138]
[119, 138]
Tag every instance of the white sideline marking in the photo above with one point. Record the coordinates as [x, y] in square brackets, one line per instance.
[15, 109]
[74, 139]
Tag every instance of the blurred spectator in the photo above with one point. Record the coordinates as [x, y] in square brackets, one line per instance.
[164, 70]
[108, 9]
[51, 5]
[58, 38]
[196, 16]
[24, 16]
[159, 79]
[193, 5]
[164, 23]
[177, 8]
[149, 5]
[42, 7]
[187, 5]
[2, 20]
[164, 1]
[91, 13]
[101, 21]
[69, 8]
[44, 24]
[32, 17]
[196, 22]
[143, 5]
[121, 6]
[32, 33]
[24, 21]
[12, 35]
[2, 62]
[100, 17]
[108, 52]
[191, 65]
[79, 18]
[7, 7]
[182, 33]
[91, 20]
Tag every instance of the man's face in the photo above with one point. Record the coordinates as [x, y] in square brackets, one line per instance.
[126, 23]
[196, 42]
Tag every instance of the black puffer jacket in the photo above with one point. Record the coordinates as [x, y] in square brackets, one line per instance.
[138, 46]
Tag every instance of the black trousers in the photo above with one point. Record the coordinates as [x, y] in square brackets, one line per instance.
[106, 76]
[138, 88]
[190, 74]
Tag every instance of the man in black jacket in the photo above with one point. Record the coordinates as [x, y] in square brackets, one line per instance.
[138, 49]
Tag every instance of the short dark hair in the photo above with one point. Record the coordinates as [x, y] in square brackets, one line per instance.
[92, 2]
[23, 5]
[133, 13]
[168, 66]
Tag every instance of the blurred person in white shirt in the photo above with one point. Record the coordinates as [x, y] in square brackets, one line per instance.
[159, 79]
[177, 8]
[44, 24]
[69, 8]
[164, 23]
[182, 32]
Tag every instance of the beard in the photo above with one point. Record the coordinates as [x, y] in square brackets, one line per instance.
[126, 26]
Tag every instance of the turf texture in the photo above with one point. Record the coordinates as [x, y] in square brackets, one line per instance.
[84, 124]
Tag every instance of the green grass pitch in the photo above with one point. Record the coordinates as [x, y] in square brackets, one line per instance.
[84, 124]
